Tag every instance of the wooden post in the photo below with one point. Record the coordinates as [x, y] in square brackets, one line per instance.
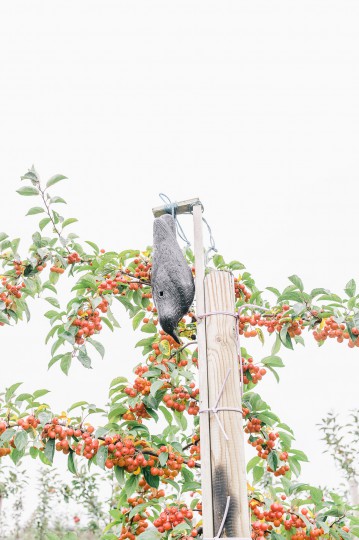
[227, 457]
[206, 471]
[223, 471]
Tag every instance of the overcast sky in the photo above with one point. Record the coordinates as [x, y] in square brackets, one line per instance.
[251, 106]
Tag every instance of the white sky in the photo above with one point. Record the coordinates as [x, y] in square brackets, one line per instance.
[252, 106]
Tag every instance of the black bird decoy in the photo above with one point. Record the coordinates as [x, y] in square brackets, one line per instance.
[171, 278]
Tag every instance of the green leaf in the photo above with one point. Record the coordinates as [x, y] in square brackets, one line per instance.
[131, 484]
[50, 450]
[286, 439]
[181, 527]
[16, 455]
[101, 456]
[7, 435]
[190, 486]
[98, 346]
[165, 348]
[257, 473]
[252, 462]
[318, 291]
[35, 210]
[273, 290]
[84, 359]
[218, 261]
[294, 466]
[21, 440]
[162, 458]
[350, 288]
[57, 200]
[299, 455]
[156, 385]
[33, 452]
[42, 224]
[276, 536]
[107, 323]
[297, 282]
[166, 413]
[54, 179]
[136, 321]
[152, 481]
[71, 465]
[53, 301]
[150, 328]
[27, 191]
[94, 246]
[40, 393]
[273, 361]
[317, 494]
[118, 380]
[66, 363]
[3, 318]
[150, 534]
[272, 370]
[68, 221]
[120, 475]
[11, 391]
[285, 337]
[236, 265]
[273, 460]
[3, 236]
[77, 404]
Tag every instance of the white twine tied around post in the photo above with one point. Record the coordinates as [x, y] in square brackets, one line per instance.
[215, 409]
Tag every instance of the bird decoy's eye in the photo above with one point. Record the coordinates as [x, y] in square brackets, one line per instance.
[161, 293]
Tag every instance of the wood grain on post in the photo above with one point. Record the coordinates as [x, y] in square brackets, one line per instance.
[206, 473]
[227, 457]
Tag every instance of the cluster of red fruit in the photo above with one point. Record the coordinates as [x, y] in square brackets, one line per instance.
[109, 286]
[179, 398]
[41, 265]
[60, 432]
[73, 258]
[14, 290]
[173, 465]
[269, 519]
[332, 329]
[140, 385]
[88, 322]
[173, 516]
[157, 352]
[122, 452]
[138, 412]
[276, 516]
[143, 269]
[27, 423]
[57, 269]
[241, 291]
[195, 449]
[165, 337]
[148, 494]
[88, 446]
[271, 322]
[255, 372]
[254, 425]
[18, 267]
[133, 527]
[264, 446]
